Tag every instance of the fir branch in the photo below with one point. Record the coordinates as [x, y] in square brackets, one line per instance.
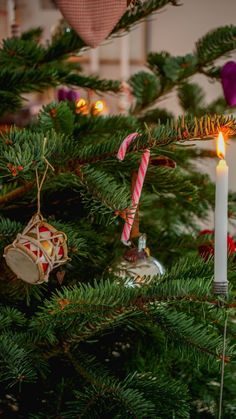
[91, 83]
[16, 193]
[26, 148]
[145, 87]
[104, 388]
[9, 228]
[11, 317]
[33, 68]
[15, 362]
[163, 181]
[57, 116]
[218, 106]
[155, 115]
[9, 100]
[194, 338]
[177, 130]
[104, 194]
[170, 71]
[191, 98]
[164, 393]
[32, 34]
[141, 10]
[216, 43]
[107, 306]
[20, 53]
[27, 80]
[29, 70]
[62, 45]
[93, 126]
[100, 192]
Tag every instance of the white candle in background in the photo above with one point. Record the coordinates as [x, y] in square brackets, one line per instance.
[124, 57]
[94, 61]
[148, 34]
[124, 102]
[221, 221]
[10, 15]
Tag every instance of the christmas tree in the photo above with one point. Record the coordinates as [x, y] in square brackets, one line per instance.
[98, 340]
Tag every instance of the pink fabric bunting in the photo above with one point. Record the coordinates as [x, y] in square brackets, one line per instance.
[93, 20]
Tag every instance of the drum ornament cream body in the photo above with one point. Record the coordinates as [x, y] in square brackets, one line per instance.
[36, 251]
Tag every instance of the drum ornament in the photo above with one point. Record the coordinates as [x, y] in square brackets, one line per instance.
[36, 251]
[40, 247]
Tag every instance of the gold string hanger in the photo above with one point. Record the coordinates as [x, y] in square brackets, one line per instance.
[41, 182]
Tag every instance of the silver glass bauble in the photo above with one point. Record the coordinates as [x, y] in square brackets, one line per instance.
[137, 267]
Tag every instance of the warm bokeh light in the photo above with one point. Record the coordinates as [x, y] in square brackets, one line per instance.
[81, 106]
[80, 102]
[99, 106]
[220, 146]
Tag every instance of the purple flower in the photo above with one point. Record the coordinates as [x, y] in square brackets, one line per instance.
[62, 94]
[73, 95]
[228, 80]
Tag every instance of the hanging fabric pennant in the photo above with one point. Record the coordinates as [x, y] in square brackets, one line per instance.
[93, 20]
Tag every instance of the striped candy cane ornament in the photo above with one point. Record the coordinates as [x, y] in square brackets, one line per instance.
[138, 184]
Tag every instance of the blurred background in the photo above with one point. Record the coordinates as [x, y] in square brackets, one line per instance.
[176, 31]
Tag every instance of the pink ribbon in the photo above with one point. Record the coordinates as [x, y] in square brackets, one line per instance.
[138, 184]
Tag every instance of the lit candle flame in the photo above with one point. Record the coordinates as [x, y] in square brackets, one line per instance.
[220, 146]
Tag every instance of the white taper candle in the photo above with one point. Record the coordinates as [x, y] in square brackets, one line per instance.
[10, 15]
[94, 60]
[124, 102]
[125, 57]
[221, 223]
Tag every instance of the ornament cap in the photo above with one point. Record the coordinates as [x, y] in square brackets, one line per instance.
[142, 242]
